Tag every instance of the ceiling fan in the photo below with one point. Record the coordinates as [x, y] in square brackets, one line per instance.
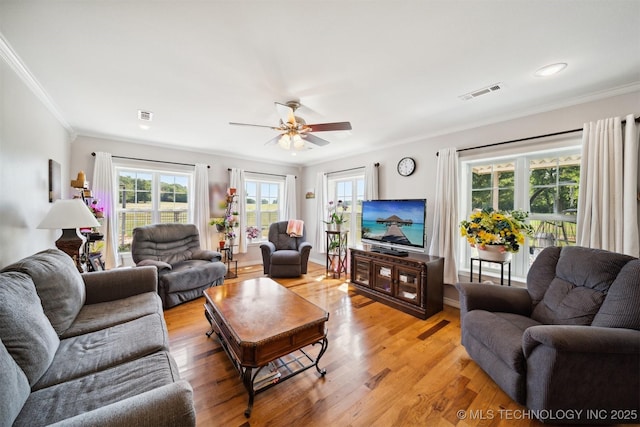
[294, 131]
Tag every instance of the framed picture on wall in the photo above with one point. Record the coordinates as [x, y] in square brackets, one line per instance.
[55, 183]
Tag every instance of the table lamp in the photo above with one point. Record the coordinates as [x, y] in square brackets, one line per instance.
[69, 215]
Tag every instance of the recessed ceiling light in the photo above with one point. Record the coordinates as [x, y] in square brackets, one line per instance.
[144, 127]
[549, 70]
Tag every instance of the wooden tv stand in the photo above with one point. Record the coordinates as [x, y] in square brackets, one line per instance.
[411, 284]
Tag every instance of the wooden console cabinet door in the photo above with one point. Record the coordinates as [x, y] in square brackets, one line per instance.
[383, 277]
[411, 284]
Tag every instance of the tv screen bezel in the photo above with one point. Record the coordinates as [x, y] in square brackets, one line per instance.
[391, 245]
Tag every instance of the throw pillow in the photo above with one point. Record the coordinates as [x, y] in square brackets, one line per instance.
[58, 283]
[24, 329]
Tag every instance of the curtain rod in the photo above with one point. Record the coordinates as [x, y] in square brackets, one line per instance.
[265, 173]
[350, 169]
[637, 120]
[154, 161]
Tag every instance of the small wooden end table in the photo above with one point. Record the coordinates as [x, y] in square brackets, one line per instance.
[261, 323]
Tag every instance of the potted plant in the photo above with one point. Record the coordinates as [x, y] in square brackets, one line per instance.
[496, 234]
[336, 215]
[252, 232]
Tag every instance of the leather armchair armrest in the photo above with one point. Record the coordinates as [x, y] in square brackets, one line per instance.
[207, 255]
[505, 299]
[160, 265]
[111, 285]
[581, 339]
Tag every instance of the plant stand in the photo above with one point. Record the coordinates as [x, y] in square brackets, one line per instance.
[502, 264]
[336, 252]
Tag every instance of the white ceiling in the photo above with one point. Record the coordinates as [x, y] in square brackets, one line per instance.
[394, 69]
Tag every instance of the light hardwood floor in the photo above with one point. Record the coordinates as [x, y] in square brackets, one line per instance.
[384, 368]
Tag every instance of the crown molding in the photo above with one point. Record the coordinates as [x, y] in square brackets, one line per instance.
[16, 64]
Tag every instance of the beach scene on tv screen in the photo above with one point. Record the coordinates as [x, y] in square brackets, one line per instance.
[394, 221]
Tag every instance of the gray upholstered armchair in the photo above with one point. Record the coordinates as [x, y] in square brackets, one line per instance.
[283, 255]
[570, 341]
[184, 270]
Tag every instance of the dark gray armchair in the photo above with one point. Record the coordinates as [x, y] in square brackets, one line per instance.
[283, 255]
[184, 270]
[570, 341]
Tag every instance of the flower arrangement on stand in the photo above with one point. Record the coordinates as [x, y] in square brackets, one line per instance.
[229, 221]
[336, 215]
[499, 231]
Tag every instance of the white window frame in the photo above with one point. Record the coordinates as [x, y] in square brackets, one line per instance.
[521, 156]
[352, 177]
[156, 173]
[259, 179]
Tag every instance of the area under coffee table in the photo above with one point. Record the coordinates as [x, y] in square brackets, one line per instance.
[259, 321]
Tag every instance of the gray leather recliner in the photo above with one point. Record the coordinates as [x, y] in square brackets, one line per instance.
[569, 342]
[184, 270]
[283, 255]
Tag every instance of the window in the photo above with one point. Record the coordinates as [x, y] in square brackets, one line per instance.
[350, 189]
[149, 197]
[263, 198]
[543, 183]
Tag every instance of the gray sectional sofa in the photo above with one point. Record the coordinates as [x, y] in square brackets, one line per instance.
[86, 349]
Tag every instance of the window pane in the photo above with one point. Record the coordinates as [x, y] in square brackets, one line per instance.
[542, 199]
[481, 199]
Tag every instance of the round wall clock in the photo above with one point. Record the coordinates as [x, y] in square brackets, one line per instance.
[406, 166]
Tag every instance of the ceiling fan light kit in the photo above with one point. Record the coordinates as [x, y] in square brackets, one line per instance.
[294, 130]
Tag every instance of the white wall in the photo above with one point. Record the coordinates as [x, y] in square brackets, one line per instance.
[29, 136]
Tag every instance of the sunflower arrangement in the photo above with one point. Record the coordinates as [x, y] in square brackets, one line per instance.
[489, 227]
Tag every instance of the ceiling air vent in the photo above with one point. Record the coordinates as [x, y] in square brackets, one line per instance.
[483, 91]
[147, 116]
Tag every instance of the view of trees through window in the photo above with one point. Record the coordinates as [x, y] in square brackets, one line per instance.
[148, 197]
[551, 189]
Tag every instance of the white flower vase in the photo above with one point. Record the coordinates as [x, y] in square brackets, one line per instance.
[495, 253]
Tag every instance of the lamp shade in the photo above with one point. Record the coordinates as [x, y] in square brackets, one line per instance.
[69, 214]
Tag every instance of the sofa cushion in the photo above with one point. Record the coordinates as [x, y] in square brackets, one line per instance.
[59, 285]
[620, 308]
[170, 243]
[567, 304]
[24, 329]
[583, 277]
[97, 351]
[14, 390]
[190, 275]
[52, 404]
[507, 344]
[93, 317]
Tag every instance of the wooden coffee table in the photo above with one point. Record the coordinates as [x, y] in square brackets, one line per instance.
[261, 323]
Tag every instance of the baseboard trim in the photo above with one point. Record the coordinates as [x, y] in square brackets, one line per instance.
[451, 302]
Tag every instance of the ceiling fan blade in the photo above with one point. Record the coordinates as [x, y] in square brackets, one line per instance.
[273, 140]
[321, 127]
[314, 139]
[258, 126]
[286, 113]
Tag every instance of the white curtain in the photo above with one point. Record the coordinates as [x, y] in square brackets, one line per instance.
[371, 182]
[607, 200]
[445, 219]
[237, 181]
[321, 211]
[199, 204]
[104, 190]
[290, 201]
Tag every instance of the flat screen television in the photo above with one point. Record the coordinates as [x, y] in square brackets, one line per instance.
[394, 226]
